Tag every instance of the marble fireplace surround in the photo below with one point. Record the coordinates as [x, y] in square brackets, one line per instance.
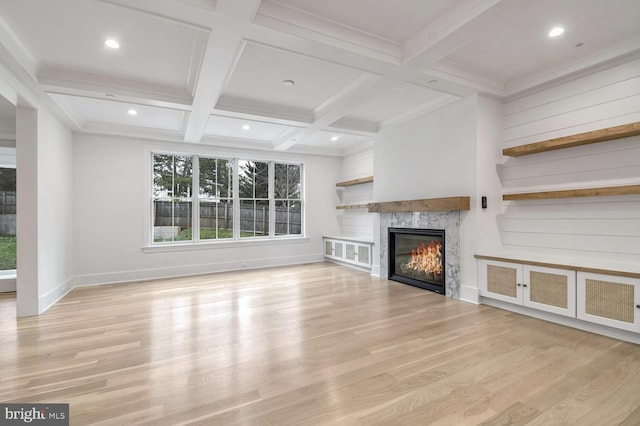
[427, 215]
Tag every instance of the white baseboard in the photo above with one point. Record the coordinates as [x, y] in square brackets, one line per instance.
[186, 270]
[7, 285]
[569, 322]
[48, 300]
[469, 294]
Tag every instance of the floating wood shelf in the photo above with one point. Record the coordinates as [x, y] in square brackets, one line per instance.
[352, 206]
[425, 205]
[561, 266]
[602, 135]
[570, 193]
[353, 182]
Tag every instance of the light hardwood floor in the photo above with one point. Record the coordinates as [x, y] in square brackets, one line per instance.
[310, 344]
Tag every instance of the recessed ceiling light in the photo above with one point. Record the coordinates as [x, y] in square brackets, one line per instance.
[246, 127]
[132, 112]
[556, 31]
[112, 44]
[288, 83]
[334, 138]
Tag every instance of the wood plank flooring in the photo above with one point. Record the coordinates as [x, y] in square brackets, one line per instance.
[307, 345]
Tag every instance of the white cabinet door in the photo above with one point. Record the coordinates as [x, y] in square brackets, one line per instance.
[609, 300]
[364, 255]
[500, 280]
[334, 249]
[550, 289]
[357, 253]
[350, 252]
[547, 289]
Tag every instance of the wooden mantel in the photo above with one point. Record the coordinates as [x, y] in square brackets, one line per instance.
[424, 205]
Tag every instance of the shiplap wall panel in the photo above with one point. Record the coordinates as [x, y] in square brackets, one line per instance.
[598, 228]
[591, 161]
[572, 120]
[607, 208]
[609, 245]
[586, 226]
[582, 128]
[588, 84]
[357, 222]
[358, 165]
[591, 98]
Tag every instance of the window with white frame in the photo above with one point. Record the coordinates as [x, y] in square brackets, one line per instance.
[288, 198]
[236, 199]
[215, 198]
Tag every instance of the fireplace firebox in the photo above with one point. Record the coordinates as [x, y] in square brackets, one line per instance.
[416, 257]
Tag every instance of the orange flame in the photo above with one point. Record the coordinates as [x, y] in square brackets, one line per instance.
[427, 258]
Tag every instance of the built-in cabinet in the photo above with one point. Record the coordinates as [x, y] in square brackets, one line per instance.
[610, 299]
[352, 252]
[546, 289]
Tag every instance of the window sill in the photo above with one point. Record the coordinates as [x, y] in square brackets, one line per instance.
[163, 248]
[8, 274]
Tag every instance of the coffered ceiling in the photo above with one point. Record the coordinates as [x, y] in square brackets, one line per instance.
[212, 71]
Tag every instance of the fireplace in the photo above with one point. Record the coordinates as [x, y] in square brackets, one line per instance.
[416, 257]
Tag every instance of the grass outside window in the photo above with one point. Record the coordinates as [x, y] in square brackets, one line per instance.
[7, 252]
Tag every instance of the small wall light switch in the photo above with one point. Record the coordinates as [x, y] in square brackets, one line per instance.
[484, 202]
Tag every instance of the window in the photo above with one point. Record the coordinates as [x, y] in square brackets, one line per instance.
[253, 182]
[172, 203]
[236, 199]
[286, 187]
[216, 198]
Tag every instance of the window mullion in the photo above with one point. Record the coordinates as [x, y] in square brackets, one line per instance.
[236, 200]
[195, 198]
[272, 203]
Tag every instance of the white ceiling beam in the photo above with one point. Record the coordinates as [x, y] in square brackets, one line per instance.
[220, 58]
[96, 87]
[458, 27]
[323, 48]
[294, 21]
[449, 32]
[256, 109]
[362, 89]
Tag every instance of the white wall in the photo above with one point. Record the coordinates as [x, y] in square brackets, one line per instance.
[433, 156]
[601, 231]
[356, 222]
[111, 198]
[55, 213]
[44, 213]
[429, 157]
[27, 303]
[489, 156]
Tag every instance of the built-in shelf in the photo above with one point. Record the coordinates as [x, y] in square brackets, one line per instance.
[570, 193]
[352, 206]
[561, 266]
[353, 182]
[424, 205]
[602, 135]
